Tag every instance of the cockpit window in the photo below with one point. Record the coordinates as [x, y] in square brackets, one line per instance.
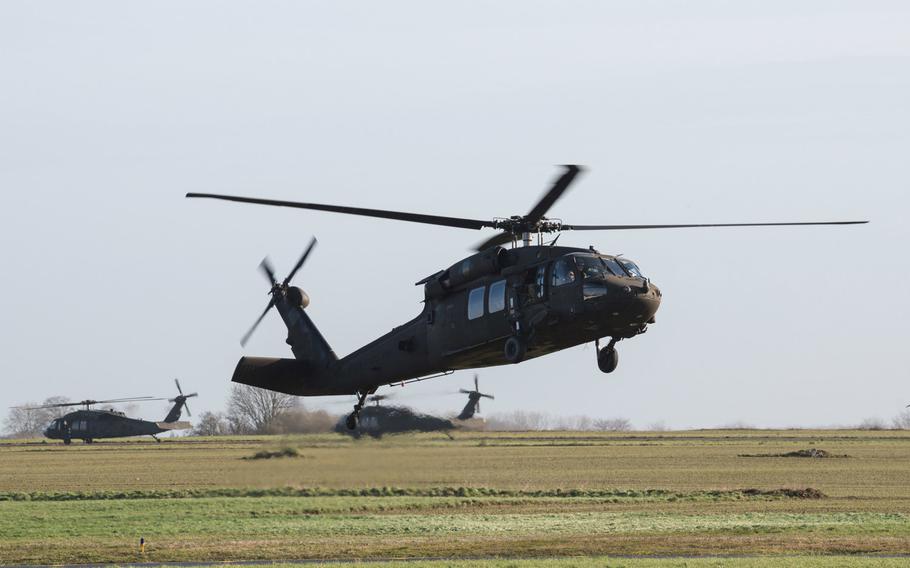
[630, 267]
[614, 267]
[590, 266]
[563, 271]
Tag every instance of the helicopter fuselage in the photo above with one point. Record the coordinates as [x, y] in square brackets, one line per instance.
[545, 298]
[94, 424]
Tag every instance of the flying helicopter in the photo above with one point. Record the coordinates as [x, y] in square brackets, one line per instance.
[498, 306]
[88, 424]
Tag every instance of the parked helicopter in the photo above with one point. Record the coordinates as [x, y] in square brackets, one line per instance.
[377, 420]
[499, 306]
[89, 425]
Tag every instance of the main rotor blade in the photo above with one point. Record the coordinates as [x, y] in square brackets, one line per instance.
[266, 267]
[62, 404]
[495, 240]
[476, 386]
[187, 408]
[464, 391]
[380, 213]
[490, 396]
[246, 336]
[697, 225]
[549, 198]
[300, 262]
[180, 390]
[91, 402]
[130, 399]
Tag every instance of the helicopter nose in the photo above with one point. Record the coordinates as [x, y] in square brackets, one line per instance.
[647, 302]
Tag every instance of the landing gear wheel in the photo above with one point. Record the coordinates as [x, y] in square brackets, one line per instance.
[351, 421]
[87, 440]
[608, 359]
[515, 350]
[67, 441]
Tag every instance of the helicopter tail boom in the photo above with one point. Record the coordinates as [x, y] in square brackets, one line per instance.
[290, 376]
[173, 425]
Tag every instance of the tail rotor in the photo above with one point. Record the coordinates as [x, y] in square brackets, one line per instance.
[280, 290]
[181, 398]
[474, 397]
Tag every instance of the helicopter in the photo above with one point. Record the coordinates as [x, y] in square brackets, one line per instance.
[498, 306]
[88, 424]
[377, 419]
[473, 405]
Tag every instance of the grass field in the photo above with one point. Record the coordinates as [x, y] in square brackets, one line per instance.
[553, 496]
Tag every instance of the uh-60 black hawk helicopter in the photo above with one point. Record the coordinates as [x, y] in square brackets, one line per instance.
[88, 424]
[498, 306]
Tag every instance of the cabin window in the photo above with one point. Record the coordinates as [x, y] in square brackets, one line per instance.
[497, 300]
[563, 271]
[475, 303]
[540, 281]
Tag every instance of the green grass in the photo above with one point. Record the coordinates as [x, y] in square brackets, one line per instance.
[481, 494]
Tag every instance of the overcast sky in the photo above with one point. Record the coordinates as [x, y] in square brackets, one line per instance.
[684, 112]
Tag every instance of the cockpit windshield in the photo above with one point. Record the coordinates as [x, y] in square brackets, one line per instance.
[590, 266]
[614, 267]
[630, 267]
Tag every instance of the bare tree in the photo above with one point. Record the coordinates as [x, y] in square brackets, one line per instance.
[211, 424]
[254, 410]
[519, 421]
[28, 422]
[24, 423]
[901, 421]
[303, 421]
[613, 424]
[873, 423]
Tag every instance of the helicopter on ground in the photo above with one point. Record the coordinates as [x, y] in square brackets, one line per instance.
[88, 424]
[377, 420]
[499, 306]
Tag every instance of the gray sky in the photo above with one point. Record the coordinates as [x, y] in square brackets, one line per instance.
[113, 283]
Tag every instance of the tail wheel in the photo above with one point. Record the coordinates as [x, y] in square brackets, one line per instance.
[515, 350]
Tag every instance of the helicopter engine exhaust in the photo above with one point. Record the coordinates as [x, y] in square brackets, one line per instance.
[297, 297]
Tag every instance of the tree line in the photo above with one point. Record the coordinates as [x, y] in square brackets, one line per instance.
[258, 411]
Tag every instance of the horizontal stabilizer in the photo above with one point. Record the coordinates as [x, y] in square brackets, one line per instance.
[174, 425]
[290, 376]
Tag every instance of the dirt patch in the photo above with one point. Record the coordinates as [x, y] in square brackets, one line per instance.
[810, 453]
[269, 454]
